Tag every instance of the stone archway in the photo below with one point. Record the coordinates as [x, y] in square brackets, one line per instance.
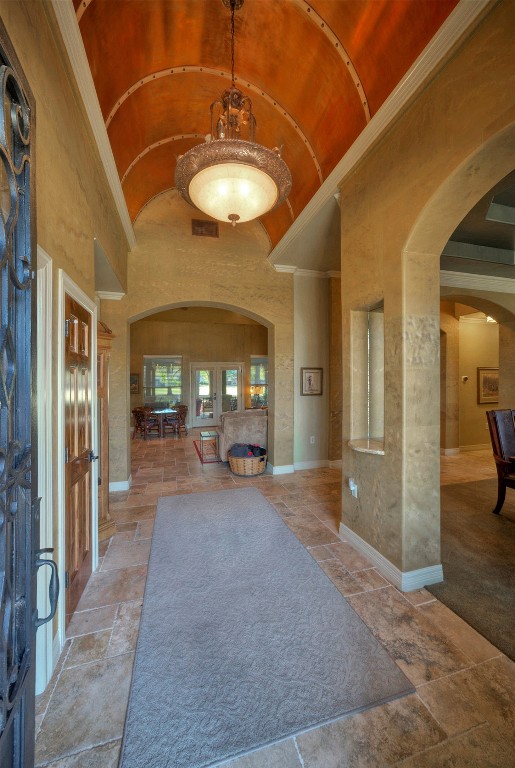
[169, 267]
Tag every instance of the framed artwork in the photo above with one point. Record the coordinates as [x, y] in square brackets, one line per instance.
[311, 381]
[488, 385]
[134, 383]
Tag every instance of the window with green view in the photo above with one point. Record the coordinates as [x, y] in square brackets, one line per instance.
[258, 382]
[162, 379]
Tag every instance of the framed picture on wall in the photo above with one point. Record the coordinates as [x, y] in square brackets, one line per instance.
[311, 381]
[488, 385]
[134, 383]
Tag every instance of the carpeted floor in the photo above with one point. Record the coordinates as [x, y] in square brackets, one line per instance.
[478, 557]
[243, 639]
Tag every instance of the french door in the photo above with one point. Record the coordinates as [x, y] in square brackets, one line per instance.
[216, 388]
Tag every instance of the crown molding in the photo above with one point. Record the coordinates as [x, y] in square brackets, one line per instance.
[109, 295]
[69, 28]
[461, 18]
[291, 269]
[477, 282]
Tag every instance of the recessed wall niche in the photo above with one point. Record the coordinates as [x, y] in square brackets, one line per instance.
[367, 375]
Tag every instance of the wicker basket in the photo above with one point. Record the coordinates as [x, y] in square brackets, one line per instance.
[247, 466]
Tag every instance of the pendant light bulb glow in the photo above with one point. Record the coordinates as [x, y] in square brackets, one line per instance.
[229, 177]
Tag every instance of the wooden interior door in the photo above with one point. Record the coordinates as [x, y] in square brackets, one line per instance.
[78, 451]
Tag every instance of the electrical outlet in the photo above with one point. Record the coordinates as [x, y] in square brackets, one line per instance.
[312, 440]
[353, 487]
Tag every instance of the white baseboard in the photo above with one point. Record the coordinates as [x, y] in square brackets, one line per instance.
[449, 451]
[121, 485]
[285, 469]
[336, 464]
[475, 447]
[310, 464]
[406, 581]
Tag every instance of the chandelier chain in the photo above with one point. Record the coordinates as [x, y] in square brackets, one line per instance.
[233, 3]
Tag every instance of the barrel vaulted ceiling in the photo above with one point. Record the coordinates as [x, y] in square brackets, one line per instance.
[316, 71]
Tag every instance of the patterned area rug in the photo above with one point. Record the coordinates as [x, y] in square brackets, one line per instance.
[243, 639]
[478, 558]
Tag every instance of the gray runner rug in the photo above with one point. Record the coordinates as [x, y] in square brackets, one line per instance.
[243, 639]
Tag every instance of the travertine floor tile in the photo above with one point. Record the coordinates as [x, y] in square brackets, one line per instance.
[125, 631]
[349, 557]
[422, 650]
[462, 718]
[121, 553]
[480, 748]
[109, 587]
[85, 700]
[88, 648]
[283, 755]
[463, 636]
[372, 739]
[105, 756]
[310, 532]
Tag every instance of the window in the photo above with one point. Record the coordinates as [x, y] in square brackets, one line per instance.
[258, 382]
[162, 379]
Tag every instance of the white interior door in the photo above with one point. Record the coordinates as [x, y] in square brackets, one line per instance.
[216, 387]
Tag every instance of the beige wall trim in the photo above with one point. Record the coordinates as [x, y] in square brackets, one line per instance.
[406, 581]
[110, 295]
[463, 17]
[299, 465]
[69, 27]
[121, 485]
[477, 282]
[292, 270]
[285, 469]
[480, 447]
[336, 464]
[449, 451]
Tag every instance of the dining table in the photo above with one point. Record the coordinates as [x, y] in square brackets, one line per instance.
[160, 414]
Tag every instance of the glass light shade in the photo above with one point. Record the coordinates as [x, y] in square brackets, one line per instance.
[233, 189]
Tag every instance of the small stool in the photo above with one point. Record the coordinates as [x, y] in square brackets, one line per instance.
[208, 437]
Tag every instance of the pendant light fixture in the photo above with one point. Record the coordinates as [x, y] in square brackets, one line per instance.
[230, 177]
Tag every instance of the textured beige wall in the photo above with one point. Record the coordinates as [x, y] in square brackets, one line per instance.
[449, 383]
[202, 342]
[500, 306]
[399, 207]
[312, 310]
[170, 267]
[479, 347]
[74, 203]
[335, 370]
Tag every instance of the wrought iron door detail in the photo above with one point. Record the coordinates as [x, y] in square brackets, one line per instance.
[18, 508]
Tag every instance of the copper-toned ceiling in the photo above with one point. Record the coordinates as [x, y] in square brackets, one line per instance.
[316, 72]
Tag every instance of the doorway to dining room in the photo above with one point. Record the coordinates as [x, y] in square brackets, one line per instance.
[216, 388]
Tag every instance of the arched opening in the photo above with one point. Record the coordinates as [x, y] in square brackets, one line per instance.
[473, 586]
[214, 352]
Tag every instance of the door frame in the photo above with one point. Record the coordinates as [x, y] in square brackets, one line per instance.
[217, 367]
[67, 286]
[46, 654]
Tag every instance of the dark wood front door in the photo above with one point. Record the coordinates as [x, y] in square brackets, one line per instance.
[78, 451]
[19, 517]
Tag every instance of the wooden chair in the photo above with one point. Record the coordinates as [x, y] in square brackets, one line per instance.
[502, 434]
[182, 415]
[171, 424]
[144, 423]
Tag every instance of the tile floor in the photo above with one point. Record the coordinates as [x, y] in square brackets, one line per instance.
[463, 711]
